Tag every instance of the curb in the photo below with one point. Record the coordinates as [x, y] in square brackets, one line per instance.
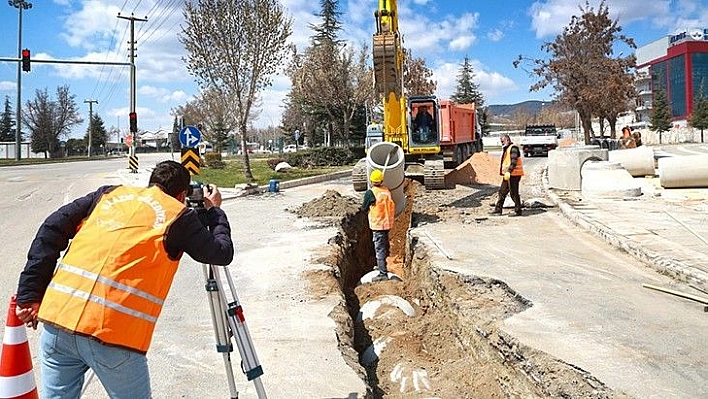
[662, 264]
[232, 193]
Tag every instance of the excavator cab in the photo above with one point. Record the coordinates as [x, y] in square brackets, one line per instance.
[424, 122]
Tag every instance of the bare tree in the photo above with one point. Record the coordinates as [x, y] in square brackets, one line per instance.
[234, 49]
[417, 77]
[575, 67]
[49, 119]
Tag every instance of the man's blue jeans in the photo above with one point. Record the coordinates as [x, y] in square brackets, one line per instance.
[381, 248]
[66, 358]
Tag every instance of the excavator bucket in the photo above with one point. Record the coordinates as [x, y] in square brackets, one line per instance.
[386, 77]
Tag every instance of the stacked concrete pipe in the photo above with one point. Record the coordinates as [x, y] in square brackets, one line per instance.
[638, 161]
[684, 171]
[394, 171]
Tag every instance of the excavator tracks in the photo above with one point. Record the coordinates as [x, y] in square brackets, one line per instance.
[385, 69]
[434, 175]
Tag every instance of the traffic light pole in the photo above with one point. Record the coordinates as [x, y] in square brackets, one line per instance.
[131, 55]
[20, 5]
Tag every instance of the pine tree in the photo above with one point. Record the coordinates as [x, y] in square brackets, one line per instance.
[661, 115]
[99, 135]
[467, 91]
[7, 124]
[699, 117]
[328, 30]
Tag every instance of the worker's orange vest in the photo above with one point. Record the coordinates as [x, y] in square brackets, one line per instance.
[116, 274]
[506, 161]
[382, 213]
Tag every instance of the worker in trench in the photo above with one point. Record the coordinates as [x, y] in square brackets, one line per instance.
[379, 205]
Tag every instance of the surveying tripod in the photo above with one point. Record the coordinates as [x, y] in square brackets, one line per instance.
[227, 317]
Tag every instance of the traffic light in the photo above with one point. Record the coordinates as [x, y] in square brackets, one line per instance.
[26, 60]
[133, 122]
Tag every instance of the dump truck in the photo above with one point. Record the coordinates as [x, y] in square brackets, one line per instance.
[460, 132]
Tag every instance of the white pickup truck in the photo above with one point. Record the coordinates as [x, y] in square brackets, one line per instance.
[539, 139]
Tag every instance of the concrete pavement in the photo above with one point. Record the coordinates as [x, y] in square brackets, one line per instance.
[665, 228]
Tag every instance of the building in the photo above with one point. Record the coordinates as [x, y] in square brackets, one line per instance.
[677, 64]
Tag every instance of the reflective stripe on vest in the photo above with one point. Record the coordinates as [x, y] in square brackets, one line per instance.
[116, 274]
[383, 212]
[506, 162]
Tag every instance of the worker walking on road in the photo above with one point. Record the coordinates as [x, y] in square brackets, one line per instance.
[378, 202]
[100, 303]
[511, 169]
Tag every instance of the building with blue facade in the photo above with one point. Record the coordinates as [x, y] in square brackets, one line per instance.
[676, 64]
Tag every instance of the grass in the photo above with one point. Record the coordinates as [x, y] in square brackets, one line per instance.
[232, 174]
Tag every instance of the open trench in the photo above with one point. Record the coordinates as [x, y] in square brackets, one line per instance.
[436, 334]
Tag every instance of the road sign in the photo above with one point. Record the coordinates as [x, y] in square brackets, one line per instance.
[129, 140]
[189, 136]
[190, 160]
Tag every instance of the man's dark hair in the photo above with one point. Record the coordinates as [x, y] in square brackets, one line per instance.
[171, 176]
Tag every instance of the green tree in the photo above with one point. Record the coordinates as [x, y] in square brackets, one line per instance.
[327, 32]
[661, 113]
[75, 147]
[467, 91]
[234, 48]
[99, 134]
[7, 123]
[699, 116]
[48, 119]
[575, 67]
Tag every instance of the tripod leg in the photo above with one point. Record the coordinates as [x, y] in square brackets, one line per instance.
[221, 326]
[237, 321]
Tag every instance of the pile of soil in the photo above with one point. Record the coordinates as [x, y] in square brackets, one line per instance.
[486, 168]
[330, 204]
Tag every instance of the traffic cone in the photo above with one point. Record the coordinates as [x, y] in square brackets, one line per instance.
[16, 375]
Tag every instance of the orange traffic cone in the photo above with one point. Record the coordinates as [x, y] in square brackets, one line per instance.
[16, 375]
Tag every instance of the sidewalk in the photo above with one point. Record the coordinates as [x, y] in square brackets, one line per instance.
[664, 228]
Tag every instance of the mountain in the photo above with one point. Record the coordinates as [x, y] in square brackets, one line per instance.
[505, 111]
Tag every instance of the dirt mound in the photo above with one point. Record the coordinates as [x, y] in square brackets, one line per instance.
[486, 168]
[330, 204]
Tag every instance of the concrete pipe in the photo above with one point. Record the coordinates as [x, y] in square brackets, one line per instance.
[394, 173]
[565, 164]
[638, 161]
[683, 171]
[604, 179]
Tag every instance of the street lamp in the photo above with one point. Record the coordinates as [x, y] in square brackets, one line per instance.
[20, 5]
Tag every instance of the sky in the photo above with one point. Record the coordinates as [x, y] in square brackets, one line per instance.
[492, 34]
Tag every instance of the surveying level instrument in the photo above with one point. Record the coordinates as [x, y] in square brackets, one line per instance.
[227, 317]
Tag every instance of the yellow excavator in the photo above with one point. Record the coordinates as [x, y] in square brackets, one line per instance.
[401, 114]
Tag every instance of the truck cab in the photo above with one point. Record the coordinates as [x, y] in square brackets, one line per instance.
[539, 140]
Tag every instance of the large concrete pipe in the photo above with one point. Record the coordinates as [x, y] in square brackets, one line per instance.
[638, 161]
[394, 173]
[565, 163]
[604, 179]
[683, 171]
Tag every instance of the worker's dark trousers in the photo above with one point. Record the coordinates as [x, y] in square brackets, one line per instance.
[380, 238]
[506, 187]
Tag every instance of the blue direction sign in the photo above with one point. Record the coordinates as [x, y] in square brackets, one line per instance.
[190, 136]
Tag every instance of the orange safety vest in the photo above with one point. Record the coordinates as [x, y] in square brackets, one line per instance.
[506, 161]
[383, 212]
[114, 278]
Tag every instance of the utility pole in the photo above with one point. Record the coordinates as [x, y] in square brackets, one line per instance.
[131, 56]
[20, 5]
[90, 127]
